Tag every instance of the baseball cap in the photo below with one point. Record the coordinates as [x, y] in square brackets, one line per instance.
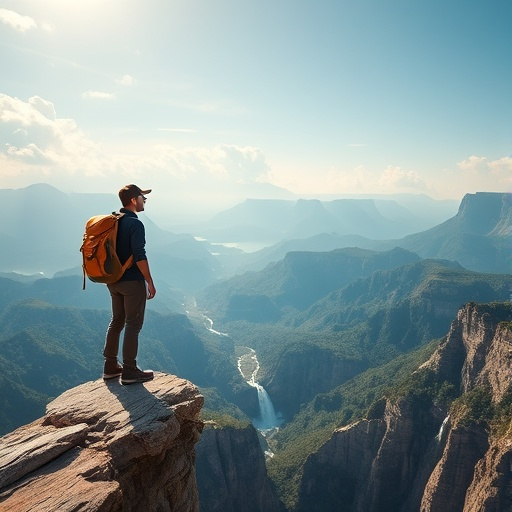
[128, 192]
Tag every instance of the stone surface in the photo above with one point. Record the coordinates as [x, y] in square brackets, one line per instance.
[106, 447]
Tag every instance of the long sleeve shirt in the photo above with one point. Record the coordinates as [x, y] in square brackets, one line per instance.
[131, 239]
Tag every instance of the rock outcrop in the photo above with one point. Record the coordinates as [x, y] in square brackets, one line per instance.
[231, 472]
[106, 447]
[412, 456]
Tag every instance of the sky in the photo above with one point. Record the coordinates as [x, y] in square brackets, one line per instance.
[206, 101]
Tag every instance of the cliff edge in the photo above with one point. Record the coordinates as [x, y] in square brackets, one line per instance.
[106, 447]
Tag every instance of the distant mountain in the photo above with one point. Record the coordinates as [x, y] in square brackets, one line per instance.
[392, 206]
[324, 242]
[67, 291]
[44, 229]
[297, 281]
[271, 221]
[478, 237]
[426, 293]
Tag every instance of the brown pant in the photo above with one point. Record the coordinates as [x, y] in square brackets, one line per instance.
[128, 306]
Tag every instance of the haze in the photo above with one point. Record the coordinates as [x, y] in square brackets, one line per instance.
[209, 103]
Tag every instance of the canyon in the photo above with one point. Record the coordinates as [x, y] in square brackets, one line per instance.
[103, 446]
[413, 453]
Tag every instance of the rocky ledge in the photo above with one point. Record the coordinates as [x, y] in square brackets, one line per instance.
[106, 447]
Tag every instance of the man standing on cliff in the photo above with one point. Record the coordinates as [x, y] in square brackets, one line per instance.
[130, 293]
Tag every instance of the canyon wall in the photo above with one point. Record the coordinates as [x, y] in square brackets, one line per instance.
[411, 455]
[231, 472]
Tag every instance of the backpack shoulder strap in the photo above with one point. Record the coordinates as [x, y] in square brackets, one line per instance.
[129, 262]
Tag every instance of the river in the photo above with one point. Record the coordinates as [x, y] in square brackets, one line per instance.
[248, 366]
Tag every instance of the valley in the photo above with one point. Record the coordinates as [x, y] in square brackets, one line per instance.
[339, 356]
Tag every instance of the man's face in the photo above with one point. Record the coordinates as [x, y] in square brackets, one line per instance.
[139, 203]
[141, 200]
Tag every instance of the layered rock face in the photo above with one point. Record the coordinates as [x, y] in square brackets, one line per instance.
[106, 447]
[316, 369]
[231, 472]
[411, 456]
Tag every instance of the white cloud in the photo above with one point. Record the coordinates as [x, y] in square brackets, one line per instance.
[37, 139]
[222, 163]
[503, 165]
[126, 80]
[17, 21]
[28, 154]
[485, 174]
[97, 95]
[361, 180]
[395, 178]
[44, 107]
[474, 164]
[34, 135]
[480, 164]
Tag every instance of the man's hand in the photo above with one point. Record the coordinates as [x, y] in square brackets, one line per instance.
[151, 290]
[150, 287]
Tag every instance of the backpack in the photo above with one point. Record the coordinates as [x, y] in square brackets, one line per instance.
[100, 261]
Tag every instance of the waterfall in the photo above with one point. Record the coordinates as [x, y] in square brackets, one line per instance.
[268, 420]
[248, 366]
[441, 430]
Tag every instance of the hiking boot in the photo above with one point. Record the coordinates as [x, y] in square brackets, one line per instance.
[112, 370]
[132, 375]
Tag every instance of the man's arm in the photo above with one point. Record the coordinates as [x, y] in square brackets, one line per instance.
[144, 268]
[138, 243]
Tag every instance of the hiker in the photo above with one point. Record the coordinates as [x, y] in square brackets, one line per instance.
[129, 294]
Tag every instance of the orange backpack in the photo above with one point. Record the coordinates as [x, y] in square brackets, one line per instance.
[100, 261]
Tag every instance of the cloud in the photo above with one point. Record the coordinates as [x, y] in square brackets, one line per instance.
[198, 165]
[480, 164]
[29, 154]
[17, 21]
[126, 80]
[473, 164]
[361, 180]
[40, 144]
[485, 174]
[35, 136]
[44, 107]
[394, 178]
[97, 95]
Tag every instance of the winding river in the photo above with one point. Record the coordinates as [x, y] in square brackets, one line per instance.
[248, 366]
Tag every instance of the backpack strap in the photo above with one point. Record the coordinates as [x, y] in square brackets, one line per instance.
[129, 262]
[83, 266]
